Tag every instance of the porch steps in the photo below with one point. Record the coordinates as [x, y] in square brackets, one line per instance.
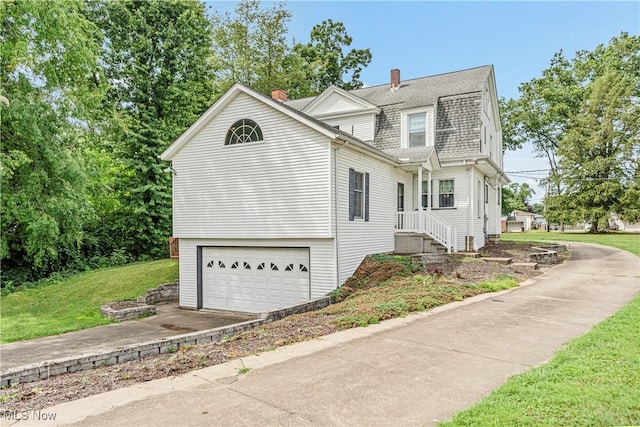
[417, 243]
[497, 260]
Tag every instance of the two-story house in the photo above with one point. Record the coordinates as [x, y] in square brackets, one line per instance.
[276, 202]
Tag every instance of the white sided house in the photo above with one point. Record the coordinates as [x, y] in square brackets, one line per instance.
[277, 202]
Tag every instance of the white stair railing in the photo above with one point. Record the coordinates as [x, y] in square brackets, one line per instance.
[439, 230]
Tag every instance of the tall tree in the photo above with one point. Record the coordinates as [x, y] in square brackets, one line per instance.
[516, 197]
[251, 47]
[325, 61]
[600, 154]
[158, 63]
[550, 113]
[50, 88]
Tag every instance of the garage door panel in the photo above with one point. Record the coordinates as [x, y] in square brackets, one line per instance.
[254, 279]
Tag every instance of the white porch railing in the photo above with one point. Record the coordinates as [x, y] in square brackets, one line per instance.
[437, 229]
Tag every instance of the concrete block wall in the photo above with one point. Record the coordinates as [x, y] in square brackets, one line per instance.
[43, 370]
[163, 293]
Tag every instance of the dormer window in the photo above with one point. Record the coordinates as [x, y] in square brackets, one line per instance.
[417, 127]
[242, 131]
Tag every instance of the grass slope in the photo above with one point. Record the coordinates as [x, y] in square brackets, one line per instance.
[74, 303]
[593, 381]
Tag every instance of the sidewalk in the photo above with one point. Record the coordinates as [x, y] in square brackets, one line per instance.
[413, 371]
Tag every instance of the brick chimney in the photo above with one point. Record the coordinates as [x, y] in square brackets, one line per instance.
[279, 95]
[395, 78]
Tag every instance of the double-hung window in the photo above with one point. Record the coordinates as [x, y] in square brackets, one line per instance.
[426, 201]
[417, 129]
[358, 195]
[400, 197]
[445, 193]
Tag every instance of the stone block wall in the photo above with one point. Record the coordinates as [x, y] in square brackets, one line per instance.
[164, 293]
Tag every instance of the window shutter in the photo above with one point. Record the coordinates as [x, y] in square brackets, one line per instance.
[366, 197]
[352, 185]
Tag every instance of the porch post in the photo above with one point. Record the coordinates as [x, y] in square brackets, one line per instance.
[420, 213]
[430, 195]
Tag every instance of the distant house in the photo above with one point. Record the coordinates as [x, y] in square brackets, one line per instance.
[526, 218]
[511, 224]
[276, 202]
[622, 225]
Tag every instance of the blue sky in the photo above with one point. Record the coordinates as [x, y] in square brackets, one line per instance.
[423, 38]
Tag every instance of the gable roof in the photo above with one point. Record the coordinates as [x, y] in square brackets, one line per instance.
[230, 95]
[359, 105]
[523, 213]
[416, 155]
[322, 127]
[417, 92]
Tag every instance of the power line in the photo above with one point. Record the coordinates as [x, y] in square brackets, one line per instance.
[531, 170]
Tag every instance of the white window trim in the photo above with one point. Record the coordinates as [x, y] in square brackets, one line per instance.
[361, 191]
[429, 124]
[437, 195]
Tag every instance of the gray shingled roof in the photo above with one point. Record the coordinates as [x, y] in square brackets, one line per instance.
[418, 92]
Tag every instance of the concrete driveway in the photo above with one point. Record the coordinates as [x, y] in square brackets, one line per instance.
[168, 321]
[413, 371]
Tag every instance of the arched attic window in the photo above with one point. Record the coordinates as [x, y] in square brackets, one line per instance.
[242, 131]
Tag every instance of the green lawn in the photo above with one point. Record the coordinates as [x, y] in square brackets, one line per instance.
[593, 381]
[74, 303]
[626, 241]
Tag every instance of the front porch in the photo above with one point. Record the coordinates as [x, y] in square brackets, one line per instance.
[424, 223]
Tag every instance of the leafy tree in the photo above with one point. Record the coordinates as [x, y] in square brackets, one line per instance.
[50, 85]
[325, 61]
[251, 47]
[552, 115]
[158, 63]
[516, 197]
[600, 154]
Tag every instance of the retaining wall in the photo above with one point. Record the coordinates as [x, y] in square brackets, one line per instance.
[43, 370]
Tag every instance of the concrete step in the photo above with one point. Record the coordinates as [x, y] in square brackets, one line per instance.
[497, 260]
[466, 254]
[531, 265]
[429, 258]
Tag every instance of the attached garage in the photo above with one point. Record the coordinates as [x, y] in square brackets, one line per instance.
[254, 279]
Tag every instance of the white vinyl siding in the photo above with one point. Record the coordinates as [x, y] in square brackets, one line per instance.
[463, 216]
[276, 188]
[428, 124]
[336, 103]
[321, 256]
[362, 126]
[358, 239]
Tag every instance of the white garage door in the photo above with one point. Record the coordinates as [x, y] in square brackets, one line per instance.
[254, 279]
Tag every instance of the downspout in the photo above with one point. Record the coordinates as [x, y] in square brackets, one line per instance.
[473, 216]
[485, 218]
[420, 212]
[466, 234]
